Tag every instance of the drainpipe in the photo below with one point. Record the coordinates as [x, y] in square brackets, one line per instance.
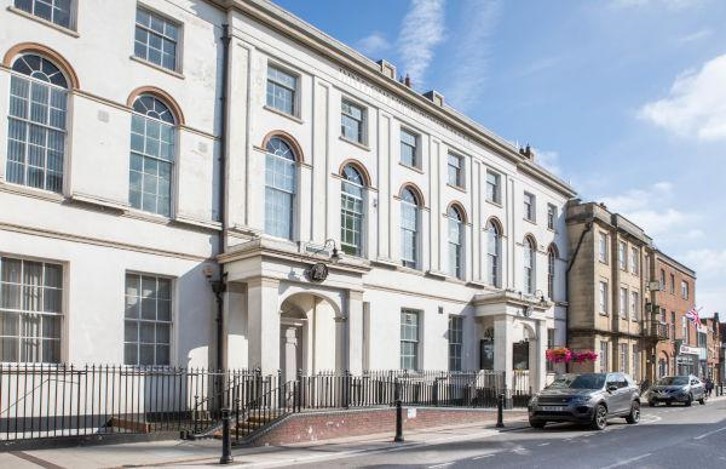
[220, 286]
[588, 228]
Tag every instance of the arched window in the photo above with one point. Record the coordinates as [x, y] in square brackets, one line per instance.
[409, 228]
[551, 257]
[37, 123]
[494, 253]
[351, 211]
[280, 184]
[530, 250]
[153, 129]
[456, 242]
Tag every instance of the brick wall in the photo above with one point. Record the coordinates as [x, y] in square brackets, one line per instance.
[316, 426]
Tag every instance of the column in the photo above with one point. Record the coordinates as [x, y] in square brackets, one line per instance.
[355, 332]
[290, 348]
[540, 379]
[503, 348]
[264, 324]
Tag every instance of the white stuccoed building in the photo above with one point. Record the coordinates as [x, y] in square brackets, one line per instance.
[451, 243]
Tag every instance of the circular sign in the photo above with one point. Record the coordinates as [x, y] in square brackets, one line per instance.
[318, 272]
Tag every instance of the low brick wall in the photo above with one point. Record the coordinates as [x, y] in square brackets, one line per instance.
[316, 426]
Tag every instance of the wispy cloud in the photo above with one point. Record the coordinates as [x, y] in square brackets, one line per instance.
[421, 31]
[668, 4]
[549, 160]
[473, 52]
[650, 209]
[537, 66]
[695, 37]
[373, 44]
[696, 104]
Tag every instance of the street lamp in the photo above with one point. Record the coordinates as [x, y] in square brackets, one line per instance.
[318, 272]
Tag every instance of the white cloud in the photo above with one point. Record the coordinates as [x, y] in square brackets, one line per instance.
[694, 37]
[373, 44]
[696, 104]
[669, 4]
[422, 30]
[468, 76]
[710, 263]
[649, 208]
[549, 160]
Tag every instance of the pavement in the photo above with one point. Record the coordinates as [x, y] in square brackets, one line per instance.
[359, 451]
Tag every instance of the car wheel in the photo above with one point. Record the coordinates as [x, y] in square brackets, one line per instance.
[599, 418]
[634, 415]
[539, 424]
[702, 400]
[689, 401]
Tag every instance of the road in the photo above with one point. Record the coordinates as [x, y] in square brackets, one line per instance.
[667, 437]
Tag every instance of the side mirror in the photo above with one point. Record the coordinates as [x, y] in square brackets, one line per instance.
[612, 387]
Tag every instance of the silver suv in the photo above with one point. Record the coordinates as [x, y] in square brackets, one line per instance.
[589, 398]
[670, 389]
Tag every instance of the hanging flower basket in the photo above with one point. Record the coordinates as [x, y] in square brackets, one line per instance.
[558, 355]
[586, 356]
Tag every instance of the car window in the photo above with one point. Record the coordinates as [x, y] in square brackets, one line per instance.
[695, 381]
[673, 381]
[588, 381]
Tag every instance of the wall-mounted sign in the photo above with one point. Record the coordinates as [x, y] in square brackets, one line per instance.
[317, 272]
[686, 350]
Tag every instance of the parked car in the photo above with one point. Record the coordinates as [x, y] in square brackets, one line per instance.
[684, 389]
[587, 398]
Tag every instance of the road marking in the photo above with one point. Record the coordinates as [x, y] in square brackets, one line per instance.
[482, 457]
[627, 461]
[441, 465]
[543, 444]
[700, 437]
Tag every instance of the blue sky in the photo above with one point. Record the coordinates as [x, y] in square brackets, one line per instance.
[625, 99]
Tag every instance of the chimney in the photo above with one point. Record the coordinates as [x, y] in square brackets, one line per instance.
[407, 81]
[436, 97]
[387, 68]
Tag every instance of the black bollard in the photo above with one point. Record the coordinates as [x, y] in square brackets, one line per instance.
[500, 411]
[399, 422]
[226, 439]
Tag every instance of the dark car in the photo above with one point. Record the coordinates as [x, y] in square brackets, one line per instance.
[587, 398]
[684, 389]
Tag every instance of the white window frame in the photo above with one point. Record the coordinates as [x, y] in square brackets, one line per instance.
[603, 298]
[273, 83]
[624, 353]
[455, 171]
[635, 305]
[352, 212]
[623, 302]
[603, 247]
[530, 266]
[346, 117]
[273, 226]
[137, 318]
[493, 188]
[456, 342]
[405, 137]
[623, 255]
[635, 261]
[530, 207]
[414, 262]
[55, 9]
[414, 358]
[604, 352]
[456, 242]
[684, 290]
[163, 35]
[494, 256]
[551, 216]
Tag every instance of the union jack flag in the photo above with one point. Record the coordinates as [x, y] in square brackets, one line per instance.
[692, 315]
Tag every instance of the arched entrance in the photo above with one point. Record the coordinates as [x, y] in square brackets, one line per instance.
[311, 335]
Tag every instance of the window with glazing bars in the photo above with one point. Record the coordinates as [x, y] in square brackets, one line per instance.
[623, 302]
[529, 206]
[147, 329]
[351, 122]
[493, 187]
[36, 124]
[152, 155]
[551, 257]
[456, 340]
[550, 345]
[156, 40]
[635, 306]
[494, 249]
[409, 229]
[604, 366]
[351, 212]
[55, 11]
[551, 216]
[409, 339]
[281, 90]
[280, 184]
[409, 148]
[31, 311]
[456, 170]
[456, 243]
[624, 358]
[529, 266]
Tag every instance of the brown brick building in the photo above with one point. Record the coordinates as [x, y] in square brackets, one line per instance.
[713, 349]
[675, 294]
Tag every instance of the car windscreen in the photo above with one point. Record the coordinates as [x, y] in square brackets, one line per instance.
[673, 381]
[590, 381]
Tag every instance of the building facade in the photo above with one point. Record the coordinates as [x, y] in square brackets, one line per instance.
[674, 293]
[359, 224]
[607, 283]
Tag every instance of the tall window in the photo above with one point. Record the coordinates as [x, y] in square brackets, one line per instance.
[456, 170]
[604, 365]
[530, 251]
[635, 306]
[603, 299]
[409, 228]
[622, 255]
[280, 186]
[409, 339]
[456, 242]
[623, 358]
[636, 362]
[281, 90]
[623, 302]
[156, 39]
[494, 188]
[551, 216]
[662, 280]
[603, 247]
[673, 284]
[31, 311]
[352, 119]
[673, 326]
[55, 11]
[684, 329]
[550, 345]
[36, 124]
[684, 289]
[147, 330]
[635, 261]
[529, 206]
[152, 155]
[551, 258]
[455, 342]
[494, 254]
[351, 211]
[409, 148]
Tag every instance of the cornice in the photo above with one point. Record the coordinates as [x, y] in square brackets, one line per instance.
[297, 30]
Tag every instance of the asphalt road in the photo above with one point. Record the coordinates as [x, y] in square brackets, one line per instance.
[667, 437]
